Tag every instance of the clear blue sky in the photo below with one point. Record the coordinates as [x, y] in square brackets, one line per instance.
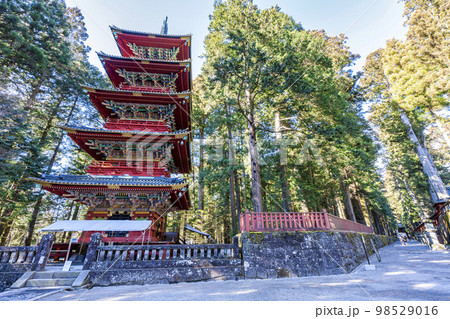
[366, 23]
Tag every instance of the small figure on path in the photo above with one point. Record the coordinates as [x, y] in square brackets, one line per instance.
[404, 241]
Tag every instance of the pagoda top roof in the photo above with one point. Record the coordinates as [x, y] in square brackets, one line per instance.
[115, 29]
[128, 41]
[131, 181]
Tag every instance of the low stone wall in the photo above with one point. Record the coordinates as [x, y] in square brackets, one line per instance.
[8, 278]
[15, 261]
[163, 271]
[264, 255]
[9, 273]
[299, 254]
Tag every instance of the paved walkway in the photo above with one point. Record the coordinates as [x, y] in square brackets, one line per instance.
[411, 272]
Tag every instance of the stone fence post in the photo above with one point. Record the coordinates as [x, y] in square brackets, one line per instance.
[43, 252]
[91, 252]
[235, 247]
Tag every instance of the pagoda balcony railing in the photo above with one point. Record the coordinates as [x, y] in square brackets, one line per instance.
[164, 54]
[142, 112]
[137, 125]
[121, 151]
[148, 81]
[309, 221]
[136, 122]
[123, 164]
[120, 168]
[151, 89]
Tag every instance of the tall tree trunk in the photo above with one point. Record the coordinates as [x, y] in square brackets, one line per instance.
[340, 209]
[32, 222]
[4, 235]
[438, 190]
[252, 145]
[34, 91]
[201, 201]
[380, 229]
[50, 119]
[359, 202]
[226, 238]
[244, 189]
[69, 214]
[422, 208]
[254, 165]
[37, 205]
[400, 195]
[238, 193]
[367, 207]
[285, 191]
[11, 189]
[441, 128]
[74, 217]
[237, 189]
[362, 206]
[58, 145]
[231, 163]
[4, 220]
[348, 201]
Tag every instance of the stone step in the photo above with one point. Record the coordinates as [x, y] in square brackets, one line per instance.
[43, 275]
[66, 274]
[55, 274]
[50, 282]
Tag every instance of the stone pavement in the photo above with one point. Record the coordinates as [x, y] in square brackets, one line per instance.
[405, 273]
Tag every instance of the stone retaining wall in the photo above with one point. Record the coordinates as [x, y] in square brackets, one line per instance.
[164, 271]
[299, 254]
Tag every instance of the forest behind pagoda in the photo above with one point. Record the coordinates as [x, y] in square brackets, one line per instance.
[280, 121]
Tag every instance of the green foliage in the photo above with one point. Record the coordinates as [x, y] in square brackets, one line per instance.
[260, 63]
[409, 77]
[43, 63]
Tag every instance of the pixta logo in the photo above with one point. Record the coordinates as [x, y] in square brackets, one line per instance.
[292, 151]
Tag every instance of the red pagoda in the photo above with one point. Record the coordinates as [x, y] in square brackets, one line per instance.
[145, 138]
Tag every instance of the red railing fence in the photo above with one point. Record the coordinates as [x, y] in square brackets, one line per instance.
[260, 222]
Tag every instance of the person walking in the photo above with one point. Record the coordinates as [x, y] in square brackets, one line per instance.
[404, 240]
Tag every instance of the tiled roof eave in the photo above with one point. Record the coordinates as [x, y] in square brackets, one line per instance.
[138, 60]
[100, 130]
[50, 182]
[91, 88]
[114, 28]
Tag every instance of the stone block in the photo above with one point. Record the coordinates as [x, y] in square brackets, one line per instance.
[369, 267]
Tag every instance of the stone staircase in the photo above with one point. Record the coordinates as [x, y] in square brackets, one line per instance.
[52, 279]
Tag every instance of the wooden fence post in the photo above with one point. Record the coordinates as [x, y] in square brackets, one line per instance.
[327, 221]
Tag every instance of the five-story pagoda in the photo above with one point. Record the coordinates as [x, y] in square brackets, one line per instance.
[145, 138]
